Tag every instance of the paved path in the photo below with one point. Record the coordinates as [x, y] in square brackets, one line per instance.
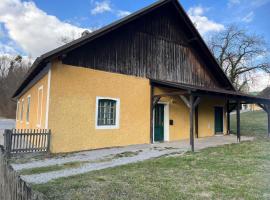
[106, 158]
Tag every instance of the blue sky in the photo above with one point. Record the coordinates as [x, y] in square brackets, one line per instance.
[32, 28]
[252, 15]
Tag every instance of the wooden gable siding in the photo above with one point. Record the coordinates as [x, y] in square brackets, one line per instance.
[152, 46]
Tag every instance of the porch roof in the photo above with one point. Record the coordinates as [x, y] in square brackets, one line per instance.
[204, 91]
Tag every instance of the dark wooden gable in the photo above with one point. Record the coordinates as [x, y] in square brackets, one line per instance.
[153, 46]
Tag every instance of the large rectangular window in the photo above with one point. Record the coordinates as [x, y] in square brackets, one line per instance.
[18, 111]
[28, 108]
[107, 113]
[22, 110]
[39, 108]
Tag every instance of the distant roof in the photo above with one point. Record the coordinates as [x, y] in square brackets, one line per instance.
[265, 93]
[41, 61]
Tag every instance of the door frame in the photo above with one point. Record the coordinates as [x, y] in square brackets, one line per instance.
[218, 106]
[166, 122]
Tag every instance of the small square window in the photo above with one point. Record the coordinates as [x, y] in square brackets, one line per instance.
[107, 113]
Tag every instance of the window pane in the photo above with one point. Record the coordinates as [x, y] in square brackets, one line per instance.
[28, 108]
[22, 111]
[18, 111]
[106, 112]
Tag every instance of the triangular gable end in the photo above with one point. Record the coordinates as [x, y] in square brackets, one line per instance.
[155, 46]
[158, 42]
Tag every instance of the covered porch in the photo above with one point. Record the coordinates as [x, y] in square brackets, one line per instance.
[195, 99]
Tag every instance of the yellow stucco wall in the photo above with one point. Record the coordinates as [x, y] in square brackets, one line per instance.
[33, 92]
[72, 109]
[73, 106]
[179, 113]
[206, 115]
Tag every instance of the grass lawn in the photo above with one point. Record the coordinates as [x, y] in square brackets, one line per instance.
[237, 171]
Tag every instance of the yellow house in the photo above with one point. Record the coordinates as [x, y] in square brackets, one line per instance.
[146, 78]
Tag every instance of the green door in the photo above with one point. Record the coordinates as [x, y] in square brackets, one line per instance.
[219, 120]
[159, 123]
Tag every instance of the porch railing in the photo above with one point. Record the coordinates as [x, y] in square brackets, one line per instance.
[27, 140]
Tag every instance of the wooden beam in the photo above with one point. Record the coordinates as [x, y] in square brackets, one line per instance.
[232, 107]
[238, 121]
[268, 120]
[197, 121]
[151, 113]
[172, 94]
[264, 107]
[197, 101]
[185, 100]
[191, 102]
[228, 118]
[155, 101]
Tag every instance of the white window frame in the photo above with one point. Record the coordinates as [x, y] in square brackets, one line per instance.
[38, 106]
[22, 111]
[117, 117]
[28, 109]
[18, 111]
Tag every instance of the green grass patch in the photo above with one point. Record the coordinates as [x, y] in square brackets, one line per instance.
[229, 172]
[235, 171]
[252, 123]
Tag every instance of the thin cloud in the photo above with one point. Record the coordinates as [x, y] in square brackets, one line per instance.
[101, 7]
[122, 13]
[232, 3]
[203, 24]
[249, 17]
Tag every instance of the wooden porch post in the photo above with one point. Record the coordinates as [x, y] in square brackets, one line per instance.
[266, 108]
[268, 117]
[197, 122]
[191, 102]
[228, 118]
[238, 121]
[151, 113]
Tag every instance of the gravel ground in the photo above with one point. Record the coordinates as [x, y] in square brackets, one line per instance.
[143, 152]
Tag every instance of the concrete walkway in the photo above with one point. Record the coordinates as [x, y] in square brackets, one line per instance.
[106, 158]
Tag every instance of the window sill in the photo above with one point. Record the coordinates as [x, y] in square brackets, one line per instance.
[106, 127]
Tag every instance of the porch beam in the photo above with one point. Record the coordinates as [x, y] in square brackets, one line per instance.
[197, 121]
[232, 107]
[191, 103]
[238, 121]
[197, 101]
[172, 94]
[264, 107]
[228, 118]
[186, 101]
[151, 113]
[155, 101]
[268, 120]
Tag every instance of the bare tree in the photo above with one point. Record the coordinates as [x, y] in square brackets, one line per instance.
[240, 54]
[12, 71]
